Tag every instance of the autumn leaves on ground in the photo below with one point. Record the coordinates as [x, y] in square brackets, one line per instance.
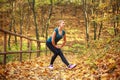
[99, 61]
[94, 65]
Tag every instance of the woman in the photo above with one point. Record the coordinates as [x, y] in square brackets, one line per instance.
[51, 43]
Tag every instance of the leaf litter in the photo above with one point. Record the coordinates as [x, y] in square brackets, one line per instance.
[86, 69]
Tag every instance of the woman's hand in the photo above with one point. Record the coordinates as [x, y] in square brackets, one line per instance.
[58, 46]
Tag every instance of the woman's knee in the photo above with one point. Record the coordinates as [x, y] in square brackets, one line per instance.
[59, 51]
[55, 55]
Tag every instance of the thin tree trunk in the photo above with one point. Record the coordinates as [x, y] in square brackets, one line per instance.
[117, 8]
[115, 11]
[48, 20]
[12, 25]
[95, 29]
[34, 15]
[14, 29]
[28, 21]
[94, 22]
[42, 21]
[10, 29]
[21, 17]
[86, 21]
[35, 22]
[101, 25]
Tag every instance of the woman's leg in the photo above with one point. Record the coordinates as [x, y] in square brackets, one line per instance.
[54, 50]
[53, 58]
[62, 57]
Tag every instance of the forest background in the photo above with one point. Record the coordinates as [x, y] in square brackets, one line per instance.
[92, 28]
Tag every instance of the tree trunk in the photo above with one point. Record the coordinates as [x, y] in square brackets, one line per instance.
[115, 13]
[28, 21]
[34, 15]
[21, 17]
[94, 22]
[101, 25]
[42, 21]
[10, 29]
[12, 25]
[95, 29]
[48, 20]
[86, 21]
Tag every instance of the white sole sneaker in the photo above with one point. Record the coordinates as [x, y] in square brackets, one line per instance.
[72, 66]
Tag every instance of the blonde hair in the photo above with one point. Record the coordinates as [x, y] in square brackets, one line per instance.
[58, 22]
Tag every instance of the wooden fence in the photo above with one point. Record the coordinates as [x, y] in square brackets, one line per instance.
[20, 52]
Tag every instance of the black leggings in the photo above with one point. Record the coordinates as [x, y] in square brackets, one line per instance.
[56, 52]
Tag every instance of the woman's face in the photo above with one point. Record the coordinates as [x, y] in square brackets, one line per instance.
[62, 24]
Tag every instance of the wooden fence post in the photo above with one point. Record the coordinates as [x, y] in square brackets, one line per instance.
[5, 46]
[29, 48]
[38, 48]
[20, 48]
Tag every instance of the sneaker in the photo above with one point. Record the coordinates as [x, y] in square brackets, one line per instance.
[71, 66]
[50, 67]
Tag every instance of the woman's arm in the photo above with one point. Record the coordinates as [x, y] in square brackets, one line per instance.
[64, 41]
[53, 38]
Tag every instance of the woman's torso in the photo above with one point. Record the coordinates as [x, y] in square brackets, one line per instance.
[57, 37]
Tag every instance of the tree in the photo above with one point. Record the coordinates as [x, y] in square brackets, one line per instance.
[21, 8]
[48, 20]
[86, 20]
[34, 15]
[12, 22]
[115, 10]
[94, 17]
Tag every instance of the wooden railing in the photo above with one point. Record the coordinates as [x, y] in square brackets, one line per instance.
[21, 51]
